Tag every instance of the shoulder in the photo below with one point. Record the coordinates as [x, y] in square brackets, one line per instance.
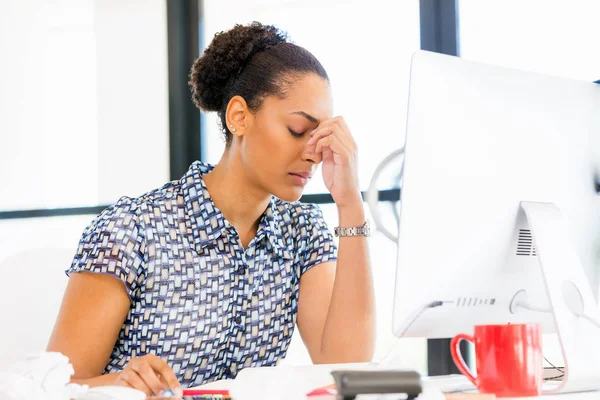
[132, 211]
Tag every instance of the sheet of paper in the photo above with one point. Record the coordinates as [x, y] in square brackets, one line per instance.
[223, 384]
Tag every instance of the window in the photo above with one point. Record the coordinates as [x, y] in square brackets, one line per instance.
[83, 105]
[556, 38]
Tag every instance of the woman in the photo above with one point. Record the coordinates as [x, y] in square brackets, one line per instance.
[207, 275]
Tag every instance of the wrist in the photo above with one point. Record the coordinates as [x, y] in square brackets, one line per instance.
[351, 215]
[350, 202]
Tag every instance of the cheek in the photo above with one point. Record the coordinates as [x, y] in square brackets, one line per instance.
[264, 149]
[273, 148]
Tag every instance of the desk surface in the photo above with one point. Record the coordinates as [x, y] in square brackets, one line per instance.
[566, 396]
[295, 382]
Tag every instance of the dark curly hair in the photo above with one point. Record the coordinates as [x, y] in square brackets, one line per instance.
[252, 61]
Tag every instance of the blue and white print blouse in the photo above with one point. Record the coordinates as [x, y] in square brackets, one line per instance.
[199, 300]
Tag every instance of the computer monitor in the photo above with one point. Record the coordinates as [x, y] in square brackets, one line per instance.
[480, 140]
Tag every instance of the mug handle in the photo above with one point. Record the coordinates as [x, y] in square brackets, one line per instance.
[458, 358]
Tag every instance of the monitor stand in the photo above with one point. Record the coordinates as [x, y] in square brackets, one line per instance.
[570, 295]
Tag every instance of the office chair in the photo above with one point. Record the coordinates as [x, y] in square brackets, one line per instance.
[33, 283]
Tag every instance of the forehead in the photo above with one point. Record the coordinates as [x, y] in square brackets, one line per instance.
[309, 93]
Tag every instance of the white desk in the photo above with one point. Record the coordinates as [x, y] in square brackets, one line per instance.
[457, 383]
[295, 382]
[566, 396]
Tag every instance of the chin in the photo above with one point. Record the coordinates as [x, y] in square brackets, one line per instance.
[289, 194]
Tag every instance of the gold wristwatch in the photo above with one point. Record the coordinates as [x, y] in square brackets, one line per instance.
[363, 230]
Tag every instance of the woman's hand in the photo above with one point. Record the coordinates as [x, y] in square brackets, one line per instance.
[334, 141]
[151, 375]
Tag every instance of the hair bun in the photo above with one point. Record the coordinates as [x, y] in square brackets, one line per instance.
[213, 72]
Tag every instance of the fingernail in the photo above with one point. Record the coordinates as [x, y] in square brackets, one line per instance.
[178, 392]
[313, 132]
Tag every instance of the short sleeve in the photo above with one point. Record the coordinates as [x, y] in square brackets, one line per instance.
[113, 245]
[317, 245]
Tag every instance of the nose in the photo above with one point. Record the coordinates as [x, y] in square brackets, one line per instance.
[309, 154]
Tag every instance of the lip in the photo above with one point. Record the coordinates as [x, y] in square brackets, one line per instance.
[301, 178]
[305, 175]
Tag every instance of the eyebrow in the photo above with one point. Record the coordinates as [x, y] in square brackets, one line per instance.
[307, 116]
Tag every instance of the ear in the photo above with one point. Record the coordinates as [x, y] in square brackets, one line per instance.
[238, 116]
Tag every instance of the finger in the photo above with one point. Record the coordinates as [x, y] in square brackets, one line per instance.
[327, 155]
[333, 127]
[336, 132]
[163, 369]
[333, 143]
[146, 372]
[320, 132]
[343, 132]
[323, 143]
[133, 380]
[325, 128]
[344, 127]
[177, 393]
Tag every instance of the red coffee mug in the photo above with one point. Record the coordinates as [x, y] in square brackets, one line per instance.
[509, 359]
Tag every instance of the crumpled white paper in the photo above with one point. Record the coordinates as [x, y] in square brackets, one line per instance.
[40, 376]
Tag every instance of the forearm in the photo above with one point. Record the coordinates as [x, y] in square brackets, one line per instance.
[102, 380]
[349, 331]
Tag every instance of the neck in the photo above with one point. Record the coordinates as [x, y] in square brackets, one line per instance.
[231, 190]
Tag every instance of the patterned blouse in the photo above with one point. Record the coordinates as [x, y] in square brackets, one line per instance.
[198, 299]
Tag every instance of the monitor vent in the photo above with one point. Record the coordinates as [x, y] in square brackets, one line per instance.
[525, 246]
[473, 301]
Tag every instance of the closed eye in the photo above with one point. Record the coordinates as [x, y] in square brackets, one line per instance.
[296, 134]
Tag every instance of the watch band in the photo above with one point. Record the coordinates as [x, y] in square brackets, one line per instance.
[363, 230]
